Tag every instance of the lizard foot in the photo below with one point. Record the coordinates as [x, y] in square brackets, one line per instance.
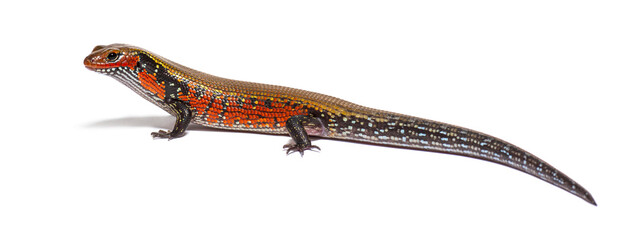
[292, 148]
[164, 134]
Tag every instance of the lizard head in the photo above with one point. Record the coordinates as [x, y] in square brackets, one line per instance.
[103, 58]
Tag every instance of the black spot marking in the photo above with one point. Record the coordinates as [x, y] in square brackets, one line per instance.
[268, 103]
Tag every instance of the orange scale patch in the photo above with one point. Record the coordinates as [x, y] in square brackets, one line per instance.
[148, 81]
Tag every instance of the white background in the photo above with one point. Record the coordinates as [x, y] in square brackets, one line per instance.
[552, 77]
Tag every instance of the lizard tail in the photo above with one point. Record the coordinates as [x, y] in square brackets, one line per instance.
[411, 132]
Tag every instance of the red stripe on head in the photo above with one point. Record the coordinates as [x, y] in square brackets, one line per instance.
[111, 56]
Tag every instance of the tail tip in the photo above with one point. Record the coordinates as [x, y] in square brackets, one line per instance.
[590, 199]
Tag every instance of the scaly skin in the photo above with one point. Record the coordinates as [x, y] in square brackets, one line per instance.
[194, 96]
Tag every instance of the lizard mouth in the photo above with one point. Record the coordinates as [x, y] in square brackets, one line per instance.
[89, 64]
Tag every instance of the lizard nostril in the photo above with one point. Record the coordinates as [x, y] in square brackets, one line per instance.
[89, 62]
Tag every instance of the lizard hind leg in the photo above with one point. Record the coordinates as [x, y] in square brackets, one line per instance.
[300, 139]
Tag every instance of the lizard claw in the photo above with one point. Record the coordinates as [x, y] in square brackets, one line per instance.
[162, 134]
[292, 148]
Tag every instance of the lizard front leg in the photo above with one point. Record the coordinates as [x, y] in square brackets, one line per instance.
[183, 118]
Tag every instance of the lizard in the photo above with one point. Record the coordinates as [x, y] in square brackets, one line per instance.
[196, 97]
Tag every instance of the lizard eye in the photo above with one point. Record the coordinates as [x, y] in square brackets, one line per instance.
[112, 56]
